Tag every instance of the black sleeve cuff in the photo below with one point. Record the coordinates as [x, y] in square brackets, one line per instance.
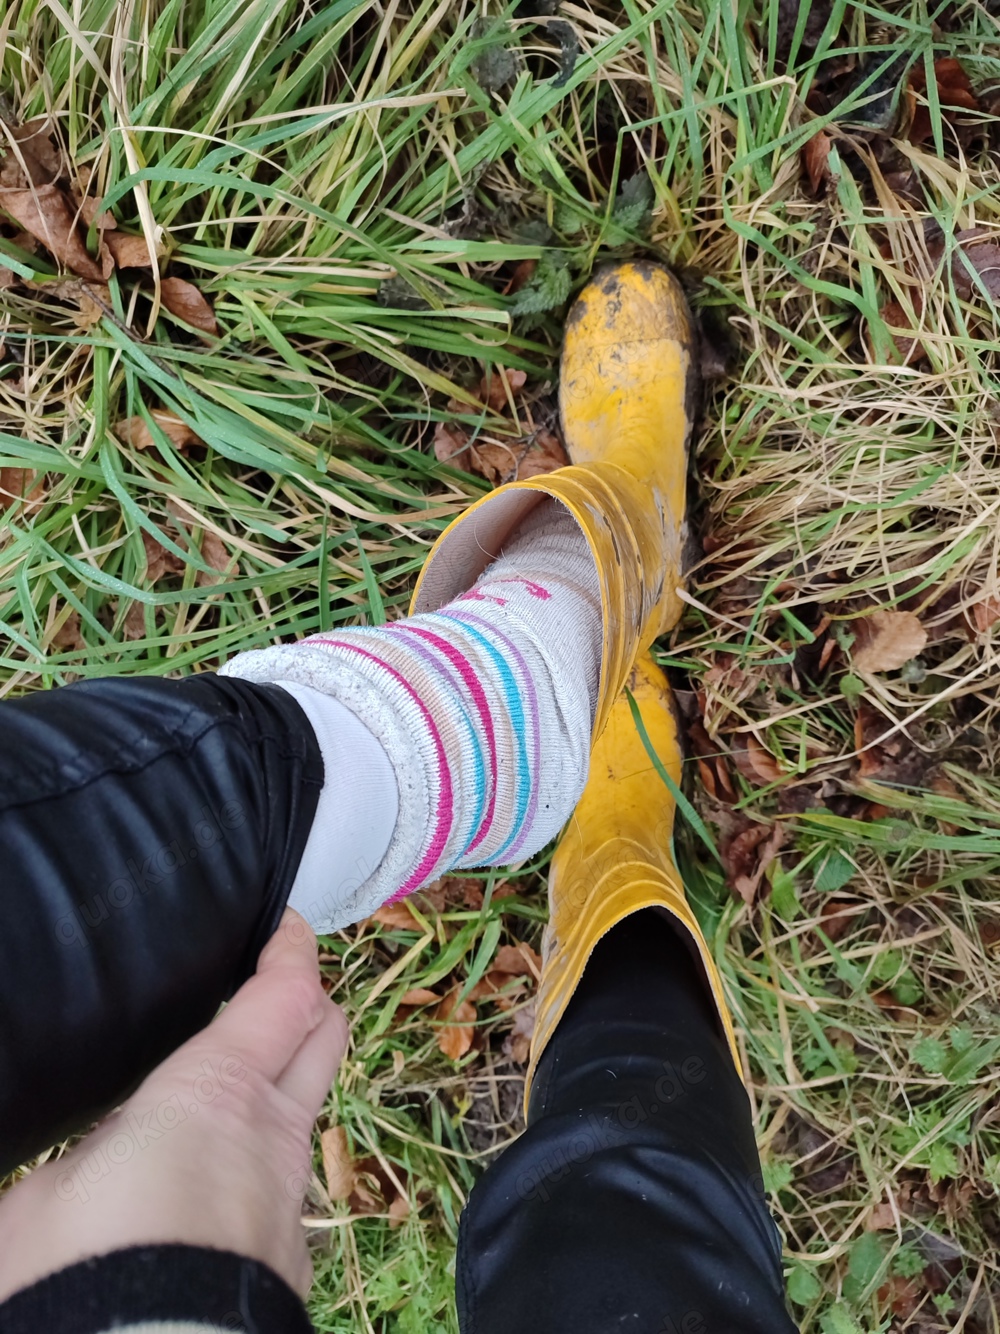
[145, 1284]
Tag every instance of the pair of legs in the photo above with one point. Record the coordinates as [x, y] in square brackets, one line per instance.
[152, 832]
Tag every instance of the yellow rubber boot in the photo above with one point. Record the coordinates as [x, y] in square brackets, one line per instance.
[627, 385]
[614, 856]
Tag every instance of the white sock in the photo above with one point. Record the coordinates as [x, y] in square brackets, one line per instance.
[482, 712]
[356, 814]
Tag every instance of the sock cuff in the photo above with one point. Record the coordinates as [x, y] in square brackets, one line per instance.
[398, 730]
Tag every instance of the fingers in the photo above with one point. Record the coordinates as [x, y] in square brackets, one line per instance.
[273, 1014]
[311, 1071]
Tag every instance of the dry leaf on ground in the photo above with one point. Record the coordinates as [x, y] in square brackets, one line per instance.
[40, 156]
[135, 432]
[159, 561]
[908, 345]
[747, 856]
[815, 160]
[985, 613]
[47, 214]
[456, 1032]
[215, 555]
[517, 1043]
[493, 387]
[885, 640]
[713, 768]
[134, 626]
[544, 455]
[399, 1210]
[889, 758]
[523, 272]
[977, 255]
[419, 996]
[338, 1165]
[882, 1218]
[396, 916]
[755, 762]
[517, 961]
[837, 916]
[184, 300]
[954, 90]
[128, 251]
[68, 637]
[20, 484]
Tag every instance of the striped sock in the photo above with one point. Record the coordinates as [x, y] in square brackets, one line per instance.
[483, 709]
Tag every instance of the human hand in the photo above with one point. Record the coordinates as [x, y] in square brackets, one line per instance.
[213, 1148]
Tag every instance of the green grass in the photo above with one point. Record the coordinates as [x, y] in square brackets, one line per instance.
[352, 184]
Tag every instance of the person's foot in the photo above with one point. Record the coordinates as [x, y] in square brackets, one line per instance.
[628, 385]
[614, 856]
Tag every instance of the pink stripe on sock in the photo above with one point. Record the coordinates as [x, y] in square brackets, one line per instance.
[446, 807]
[529, 685]
[468, 675]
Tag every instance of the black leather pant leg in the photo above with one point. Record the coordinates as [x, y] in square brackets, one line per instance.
[634, 1200]
[150, 831]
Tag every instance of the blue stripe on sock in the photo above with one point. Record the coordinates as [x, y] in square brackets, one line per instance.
[515, 709]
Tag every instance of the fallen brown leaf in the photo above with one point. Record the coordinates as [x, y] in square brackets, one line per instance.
[450, 442]
[20, 484]
[977, 255]
[954, 91]
[544, 455]
[68, 636]
[456, 1032]
[127, 251]
[134, 626]
[885, 640]
[713, 768]
[184, 300]
[517, 1044]
[159, 561]
[882, 1218]
[836, 917]
[135, 432]
[215, 555]
[473, 896]
[523, 271]
[94, 216]
[37, 159]
[747, 856]
[396, 916]
[399, 1210]
[517, 961]
[985, 613]
[499, 462]
[908, 345]
[903, 1295]
[815, 160]
[338, 1165]
[364, 1199]
[493, 387]
[755, 763]
[47, 214]
[886, 1001]
[419, 996]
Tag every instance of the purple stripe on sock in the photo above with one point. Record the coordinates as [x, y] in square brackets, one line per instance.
[446, 806]
[468, 675]
[459, 614]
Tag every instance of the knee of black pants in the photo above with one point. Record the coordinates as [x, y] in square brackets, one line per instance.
[151, 833]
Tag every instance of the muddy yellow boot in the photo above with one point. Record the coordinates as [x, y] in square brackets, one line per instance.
[627, 383]
[614, 856]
